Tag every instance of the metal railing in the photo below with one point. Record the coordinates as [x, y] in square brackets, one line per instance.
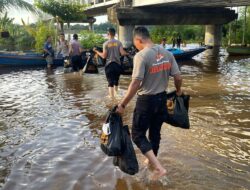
[101, 2]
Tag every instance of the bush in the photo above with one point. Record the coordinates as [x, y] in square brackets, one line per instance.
[24, 42]
[40, 32]
[89, 39]
[7, 44]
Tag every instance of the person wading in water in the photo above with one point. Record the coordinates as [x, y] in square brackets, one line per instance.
[63, 47]
[163, 42]
[153, 66]
[112, 51]
[48, 52]
[75, 51]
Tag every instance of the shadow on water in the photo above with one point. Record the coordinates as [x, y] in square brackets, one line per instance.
[50, 124]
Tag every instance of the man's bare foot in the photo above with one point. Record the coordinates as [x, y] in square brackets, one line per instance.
[158, 173]
[111, 97]
[146, 162]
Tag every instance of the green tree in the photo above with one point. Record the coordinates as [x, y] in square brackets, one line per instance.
[5, 22]
[5, 4]
[19, 39]
[40, 33]
[188, 33]
[90, 39]
[65, 12]
[23, 40]
[79, 27]
[102, 27]
[235, 29]
[98, 28]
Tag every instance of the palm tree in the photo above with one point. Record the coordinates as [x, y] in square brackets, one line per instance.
[5, 21]
[22, 4]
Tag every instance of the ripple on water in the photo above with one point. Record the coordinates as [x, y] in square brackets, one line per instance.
[50, 124]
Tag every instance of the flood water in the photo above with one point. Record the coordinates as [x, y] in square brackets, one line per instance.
[50, 124]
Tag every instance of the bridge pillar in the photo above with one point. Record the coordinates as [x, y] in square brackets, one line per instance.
[213, 35]
[125, 35]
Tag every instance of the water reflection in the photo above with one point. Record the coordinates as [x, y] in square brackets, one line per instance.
[50, 122]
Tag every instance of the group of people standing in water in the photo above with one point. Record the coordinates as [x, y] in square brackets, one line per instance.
[152, 67]
[175, 41]
[67, 50]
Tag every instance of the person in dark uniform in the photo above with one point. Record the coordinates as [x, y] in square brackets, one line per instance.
[178, 42]
[173, 42]
[163, 42]
[153, 66]
[112, 51]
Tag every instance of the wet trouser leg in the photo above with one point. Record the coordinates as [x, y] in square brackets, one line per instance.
[76, 61]
[149, 114]
[155, 132]
[112, 71]
[49, 60]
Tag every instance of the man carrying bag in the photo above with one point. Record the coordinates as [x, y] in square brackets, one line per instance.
[152, 67]
[116, 141]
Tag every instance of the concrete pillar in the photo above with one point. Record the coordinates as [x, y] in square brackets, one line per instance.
[213, 35]
[125, 35]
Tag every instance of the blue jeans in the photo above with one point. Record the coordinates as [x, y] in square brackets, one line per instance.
[149, 114]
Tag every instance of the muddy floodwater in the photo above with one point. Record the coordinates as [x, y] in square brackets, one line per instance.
[50, 124]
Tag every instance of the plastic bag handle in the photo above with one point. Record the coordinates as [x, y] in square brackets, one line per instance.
[114, 108]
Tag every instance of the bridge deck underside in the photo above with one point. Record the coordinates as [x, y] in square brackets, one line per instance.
[192, 3]
[171, 16]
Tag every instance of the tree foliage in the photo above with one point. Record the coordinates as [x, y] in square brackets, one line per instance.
[89, 39]
[196, 33]
[5, 21]
[40, 32]
[98, 28]
[6, 4]
[19, 39]
[102, 27]
[66, 12]
[187, 33]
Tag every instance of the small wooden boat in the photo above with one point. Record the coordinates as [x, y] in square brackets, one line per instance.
[127, 64]
[25, 59]
[238, 50]
[186, 54]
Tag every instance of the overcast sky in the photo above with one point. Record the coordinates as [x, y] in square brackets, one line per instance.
[26, 16]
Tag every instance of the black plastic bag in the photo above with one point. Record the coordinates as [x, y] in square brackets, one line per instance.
[111, 144]
[90, 67]
[127, 162]
[177, 107]
[126, 65]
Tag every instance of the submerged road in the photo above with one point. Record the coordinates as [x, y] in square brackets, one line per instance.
[50, 124]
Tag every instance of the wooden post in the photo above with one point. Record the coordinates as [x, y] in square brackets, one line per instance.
[68, 24]
[244, 26]
[229, 37]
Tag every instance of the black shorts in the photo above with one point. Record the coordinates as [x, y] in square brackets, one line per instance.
[113, 72]
[149, 114]
[76, 62]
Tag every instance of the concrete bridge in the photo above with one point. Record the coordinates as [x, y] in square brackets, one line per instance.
[129, 13]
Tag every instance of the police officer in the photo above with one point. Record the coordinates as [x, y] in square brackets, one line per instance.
[112, 51]
[153, 66]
